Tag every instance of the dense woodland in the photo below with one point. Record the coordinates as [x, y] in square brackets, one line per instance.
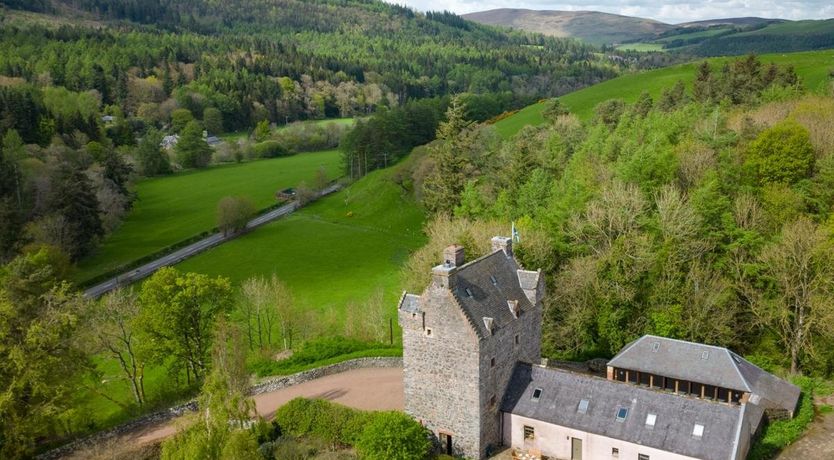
[705, 215]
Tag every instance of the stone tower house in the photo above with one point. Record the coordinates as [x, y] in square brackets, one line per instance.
[461, 340]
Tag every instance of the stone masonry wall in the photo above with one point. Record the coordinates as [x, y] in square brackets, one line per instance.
[267, 385]
[494, 379]
[440, 370]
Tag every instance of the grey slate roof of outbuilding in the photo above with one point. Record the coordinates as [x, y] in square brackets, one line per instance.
[676, 416]
[489, 299]
[706, 364]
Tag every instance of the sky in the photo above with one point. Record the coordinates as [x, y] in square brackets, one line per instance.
[670, 11]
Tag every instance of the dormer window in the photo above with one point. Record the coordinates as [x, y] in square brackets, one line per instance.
[515, 309]
[489, 324]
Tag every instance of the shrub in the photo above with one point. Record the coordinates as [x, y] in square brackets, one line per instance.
[332, 423]
[393, 436]
[779, 434]
[270, 149]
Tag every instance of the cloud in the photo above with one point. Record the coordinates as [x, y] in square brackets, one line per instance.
[671, 11]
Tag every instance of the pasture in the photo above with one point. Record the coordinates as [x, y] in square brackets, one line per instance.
[812, 67]
[339, 249]
[174, 208]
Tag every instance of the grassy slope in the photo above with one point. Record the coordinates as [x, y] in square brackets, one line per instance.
[171, 209]
[236, 135]
[339, 249]
[325, 256]
[811, 66]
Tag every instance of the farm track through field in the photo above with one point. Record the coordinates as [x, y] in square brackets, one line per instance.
[193, 249]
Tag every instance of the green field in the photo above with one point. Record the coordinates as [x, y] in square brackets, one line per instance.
[174, 208]
[237, 135]
[811, 66]
[641, 47]
[337, 250]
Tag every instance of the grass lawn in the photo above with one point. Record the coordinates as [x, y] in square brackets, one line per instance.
[171, 209]
[642, 47]
[812, 67]
[337, 250]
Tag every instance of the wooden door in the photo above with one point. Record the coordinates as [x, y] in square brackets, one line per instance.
[575, 449]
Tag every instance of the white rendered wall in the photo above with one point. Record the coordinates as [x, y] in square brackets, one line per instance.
[554, 441]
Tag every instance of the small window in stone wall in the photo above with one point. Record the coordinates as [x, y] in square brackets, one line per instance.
[516, 339]
[428, 331]
[615, 452]
[642, 457]
[492, 401]
[529, 432]
[492, 362]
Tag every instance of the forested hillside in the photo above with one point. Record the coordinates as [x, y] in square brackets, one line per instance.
[702, 214]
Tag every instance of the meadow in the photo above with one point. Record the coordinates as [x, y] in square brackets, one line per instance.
[812, 67]
[343, 248]
[642, 47]
[239, 135]
[339, 249]
[174, 208]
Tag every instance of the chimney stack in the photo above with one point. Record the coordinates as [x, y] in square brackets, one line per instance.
[502, 243]
[443, 275]
[454, 255]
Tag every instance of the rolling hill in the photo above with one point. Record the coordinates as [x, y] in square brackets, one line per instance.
[712, 37]
[589, 26]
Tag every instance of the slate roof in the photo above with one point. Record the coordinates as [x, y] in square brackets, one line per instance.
[706, 364]
[676, 416]
[480, 297]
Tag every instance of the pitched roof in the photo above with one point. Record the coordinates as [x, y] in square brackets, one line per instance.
[674, 421]
[706, 364]
[484, 287]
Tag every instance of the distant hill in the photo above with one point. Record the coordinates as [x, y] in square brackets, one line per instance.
[589, 26]
[712, 37]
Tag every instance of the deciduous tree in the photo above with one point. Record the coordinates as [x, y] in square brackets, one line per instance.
[179, 311]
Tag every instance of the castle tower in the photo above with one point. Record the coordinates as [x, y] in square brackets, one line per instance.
[461, 339]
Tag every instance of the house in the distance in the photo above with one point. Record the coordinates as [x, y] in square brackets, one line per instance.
[168, 142]
[471, 354]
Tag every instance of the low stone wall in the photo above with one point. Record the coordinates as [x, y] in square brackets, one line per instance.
[266, 385]
[271, 384]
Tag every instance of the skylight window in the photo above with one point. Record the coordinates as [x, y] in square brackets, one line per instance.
[583, 406]
[622, 413]
[655, 347]
[651, 419]
[494, 281]
[537, 393]
[705, 355]
[698, 431]
[468, 292]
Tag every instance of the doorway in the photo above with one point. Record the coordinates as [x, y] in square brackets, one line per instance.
[575, 449]
[446, 443]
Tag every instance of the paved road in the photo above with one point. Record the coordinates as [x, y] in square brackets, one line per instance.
[193, 249]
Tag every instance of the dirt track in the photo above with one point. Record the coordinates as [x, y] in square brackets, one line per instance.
[368, 389]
